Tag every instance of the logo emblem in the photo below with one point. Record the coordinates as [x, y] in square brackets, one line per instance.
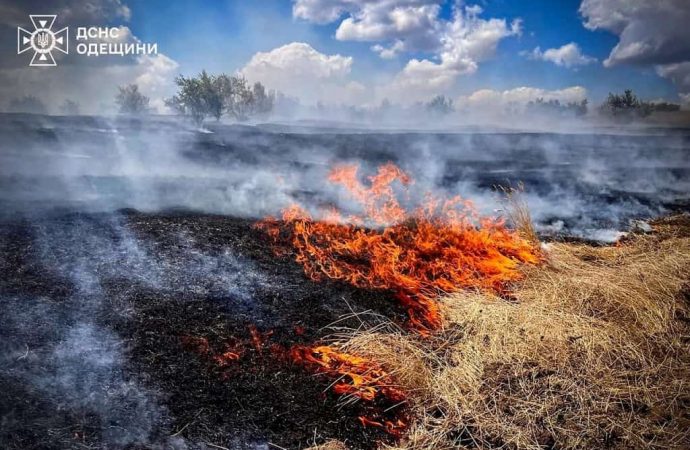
[42, 40]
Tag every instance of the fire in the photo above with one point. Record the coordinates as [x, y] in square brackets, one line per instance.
[440, 247]
[353, 376]
[356, 376]
[359, 378]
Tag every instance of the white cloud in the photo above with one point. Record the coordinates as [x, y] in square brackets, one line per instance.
[319, 11]
[649, 31]
[389, 52]
[679, 73]
[569, 55]
[155, 78]
[396, 25]
[412, 23]
[489, 99]
[297, 69]
[466, 41]
[415, 26]
[457, 45]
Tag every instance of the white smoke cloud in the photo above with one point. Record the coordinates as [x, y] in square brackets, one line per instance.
[685, 100]
[649, 31]
[96, 86]
[679, 73]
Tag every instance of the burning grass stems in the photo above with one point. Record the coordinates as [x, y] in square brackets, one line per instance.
[593, 354]
[354, 378]
[441, 247]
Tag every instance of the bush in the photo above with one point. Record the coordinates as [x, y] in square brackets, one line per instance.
[665, 107]
[440, 105]
[131, 101]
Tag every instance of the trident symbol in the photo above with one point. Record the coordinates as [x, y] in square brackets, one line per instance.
[42, 39]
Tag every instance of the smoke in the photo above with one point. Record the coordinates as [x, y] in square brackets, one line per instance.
[65, 349]
[586, 181]
[76, 371]
[66, 180]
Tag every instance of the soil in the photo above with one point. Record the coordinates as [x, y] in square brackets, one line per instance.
[255, 401]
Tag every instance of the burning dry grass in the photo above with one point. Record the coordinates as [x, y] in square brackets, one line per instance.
[441, 246]
[592, 352]
[571, 346]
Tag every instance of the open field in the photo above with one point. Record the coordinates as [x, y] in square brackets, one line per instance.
[145, 305]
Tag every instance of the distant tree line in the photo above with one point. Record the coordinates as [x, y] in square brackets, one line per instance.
[628, 105]
[555, 107]
[214, 96]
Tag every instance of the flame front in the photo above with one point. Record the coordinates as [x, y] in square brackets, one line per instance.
[440, 247]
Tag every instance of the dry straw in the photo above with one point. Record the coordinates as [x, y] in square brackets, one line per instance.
[590, 352]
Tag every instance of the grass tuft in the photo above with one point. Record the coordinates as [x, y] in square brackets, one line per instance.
[590, 352]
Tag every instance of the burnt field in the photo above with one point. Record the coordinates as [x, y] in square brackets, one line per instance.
[142, 308]
[103, 314]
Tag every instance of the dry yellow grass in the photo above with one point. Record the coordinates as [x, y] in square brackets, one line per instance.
[517, 211]
[592, 352]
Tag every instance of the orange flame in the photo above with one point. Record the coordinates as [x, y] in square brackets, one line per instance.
[354, 376]
[360, 378]
[440, 247]
[357, 376]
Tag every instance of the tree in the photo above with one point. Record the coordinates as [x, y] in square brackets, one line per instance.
[131, 101]
[440, 105]
[215, 95]
[626, 105]
[69, 108]
[580, 109]
[238, 101]
[189, 100]
[28, 104]
[262, 101]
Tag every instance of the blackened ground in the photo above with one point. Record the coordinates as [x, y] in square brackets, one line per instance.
[174, 289]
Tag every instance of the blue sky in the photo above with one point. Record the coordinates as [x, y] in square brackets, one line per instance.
[483, 53]
[223, 36]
